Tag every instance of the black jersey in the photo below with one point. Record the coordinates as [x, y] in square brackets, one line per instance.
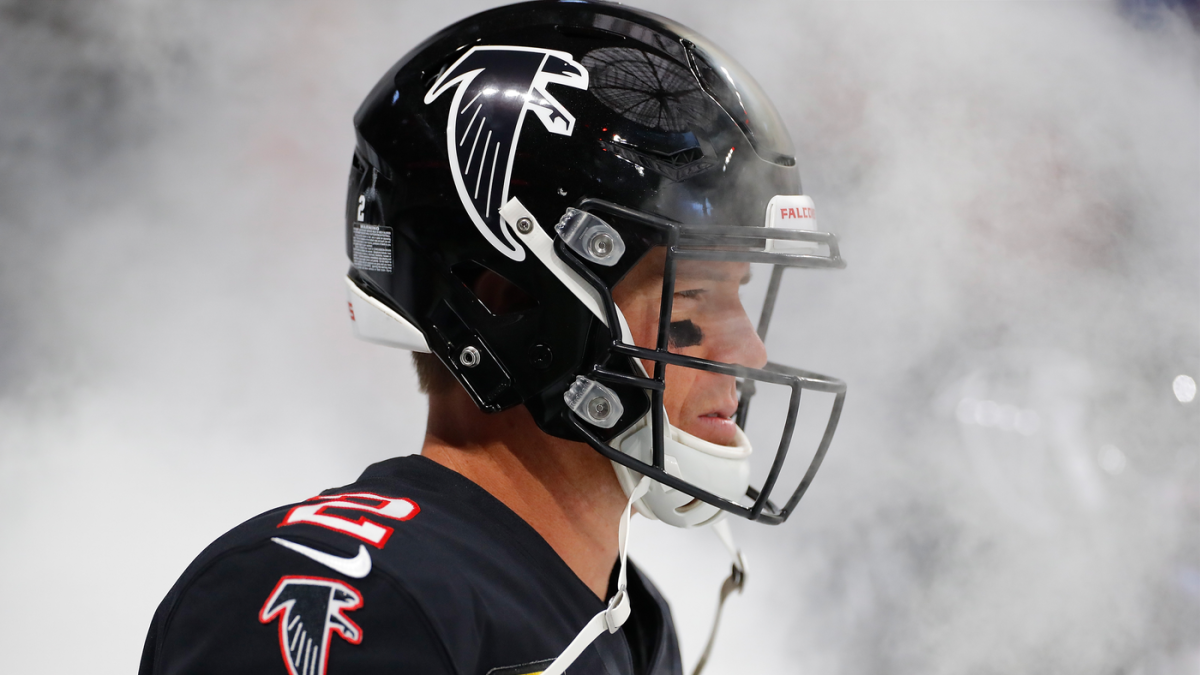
[411, 569]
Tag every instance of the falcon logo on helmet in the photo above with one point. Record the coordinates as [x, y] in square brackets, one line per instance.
[310, 610]
[494, 86]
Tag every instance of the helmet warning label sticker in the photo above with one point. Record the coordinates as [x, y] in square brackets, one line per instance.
[372, 248]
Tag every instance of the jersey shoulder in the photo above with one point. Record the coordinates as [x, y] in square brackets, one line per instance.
[254, 607]
[412, 567]
[299, 582]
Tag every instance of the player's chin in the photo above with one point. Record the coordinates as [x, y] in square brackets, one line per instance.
[714, 428]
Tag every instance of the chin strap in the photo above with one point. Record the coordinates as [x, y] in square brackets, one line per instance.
[734, 582]
[617, 612]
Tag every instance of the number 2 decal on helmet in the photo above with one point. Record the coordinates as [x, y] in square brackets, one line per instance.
[494, 87]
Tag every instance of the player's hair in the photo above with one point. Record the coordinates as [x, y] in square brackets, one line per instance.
[432, 376]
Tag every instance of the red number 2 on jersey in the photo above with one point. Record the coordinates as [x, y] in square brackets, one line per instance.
[314, 512]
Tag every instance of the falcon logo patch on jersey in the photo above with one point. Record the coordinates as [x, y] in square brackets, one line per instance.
[310, 610]
[494, 86]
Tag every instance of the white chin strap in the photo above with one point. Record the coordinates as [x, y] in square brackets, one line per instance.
[617, 613]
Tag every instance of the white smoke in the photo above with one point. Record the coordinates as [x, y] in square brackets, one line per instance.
[1016, 190]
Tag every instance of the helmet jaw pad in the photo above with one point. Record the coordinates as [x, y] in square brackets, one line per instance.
[721, 470]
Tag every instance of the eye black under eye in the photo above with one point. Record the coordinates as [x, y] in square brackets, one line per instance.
[684, 333]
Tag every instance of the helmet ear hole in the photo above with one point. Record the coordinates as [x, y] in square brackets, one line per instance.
[499, 295]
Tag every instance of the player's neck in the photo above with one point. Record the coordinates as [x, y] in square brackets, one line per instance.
[564, 490]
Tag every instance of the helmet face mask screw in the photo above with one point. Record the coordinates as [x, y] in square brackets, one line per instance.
[469, 356]
[599, 408]
[589, 236]
[601, 245]
[524, 226]
[595, 403]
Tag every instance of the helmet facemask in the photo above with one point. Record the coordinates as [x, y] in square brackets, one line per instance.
[700, 461]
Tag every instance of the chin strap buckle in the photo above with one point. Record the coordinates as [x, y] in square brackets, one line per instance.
[618, 611]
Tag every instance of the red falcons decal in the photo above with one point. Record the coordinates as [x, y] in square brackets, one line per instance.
[310, 610]
[797, 212]
[315, 512]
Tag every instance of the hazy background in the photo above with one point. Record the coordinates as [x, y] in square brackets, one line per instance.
[1014, 488]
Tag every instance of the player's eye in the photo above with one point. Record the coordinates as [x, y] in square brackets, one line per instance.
[690, 293]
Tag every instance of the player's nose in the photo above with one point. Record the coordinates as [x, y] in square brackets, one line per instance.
[742, 345]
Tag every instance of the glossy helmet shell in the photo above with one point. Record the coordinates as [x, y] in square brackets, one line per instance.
[667, 125]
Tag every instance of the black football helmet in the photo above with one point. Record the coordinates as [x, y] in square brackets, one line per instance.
[554, 145]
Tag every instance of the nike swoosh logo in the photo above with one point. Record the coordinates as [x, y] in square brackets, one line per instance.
[357, 567]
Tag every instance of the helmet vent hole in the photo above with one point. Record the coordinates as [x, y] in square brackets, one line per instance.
[688, 506]
[494, 291]
[683, 157]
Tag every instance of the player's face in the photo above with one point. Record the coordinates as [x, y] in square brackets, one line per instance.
[707, 322]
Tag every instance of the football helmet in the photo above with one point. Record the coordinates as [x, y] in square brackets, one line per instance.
[605, 134]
